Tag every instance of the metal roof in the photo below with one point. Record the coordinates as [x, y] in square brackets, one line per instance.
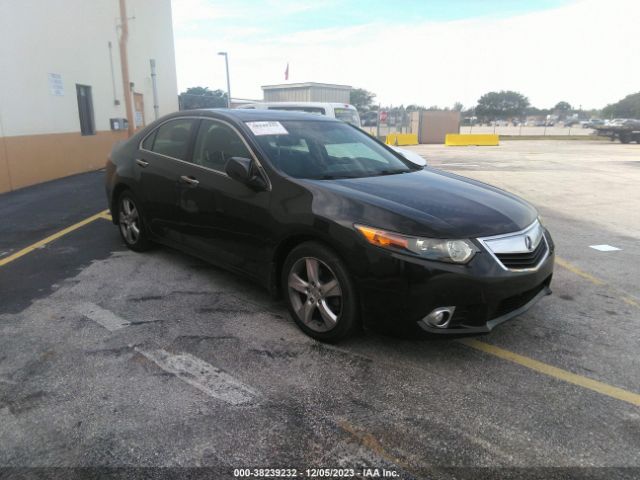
[306, 85]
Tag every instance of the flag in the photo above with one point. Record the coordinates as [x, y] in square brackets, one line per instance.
[286, 72]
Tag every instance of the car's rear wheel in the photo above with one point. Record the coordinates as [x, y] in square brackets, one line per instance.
[131, 223]
[319, 292]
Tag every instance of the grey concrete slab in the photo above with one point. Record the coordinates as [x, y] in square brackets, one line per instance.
[74, 393]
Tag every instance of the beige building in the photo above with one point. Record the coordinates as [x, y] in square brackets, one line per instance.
[307, 92]
[61, 82]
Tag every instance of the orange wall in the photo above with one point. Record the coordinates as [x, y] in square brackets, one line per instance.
[30, 159]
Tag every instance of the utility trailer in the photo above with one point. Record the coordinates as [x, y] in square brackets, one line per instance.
[625, 130]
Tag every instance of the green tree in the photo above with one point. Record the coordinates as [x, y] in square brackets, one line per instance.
[202, 97]
[628, 107]
[563, 107]
[361, 99]
[500, 105]
[458, 107]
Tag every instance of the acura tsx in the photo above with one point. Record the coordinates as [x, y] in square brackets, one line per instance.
[346, 230]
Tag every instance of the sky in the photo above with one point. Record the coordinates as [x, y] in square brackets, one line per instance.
[425, 52]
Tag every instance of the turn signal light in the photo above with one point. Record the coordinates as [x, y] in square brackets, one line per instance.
[381, 238]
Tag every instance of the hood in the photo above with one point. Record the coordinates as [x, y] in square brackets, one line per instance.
[427, 202]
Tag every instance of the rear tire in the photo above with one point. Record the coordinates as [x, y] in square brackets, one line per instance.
[319, 292]
[131, 223]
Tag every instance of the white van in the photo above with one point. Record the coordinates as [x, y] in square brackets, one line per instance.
[341, 111]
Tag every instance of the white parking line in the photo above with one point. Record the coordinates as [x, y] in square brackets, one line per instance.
[106, 318]
[201, 375]
[604, 248]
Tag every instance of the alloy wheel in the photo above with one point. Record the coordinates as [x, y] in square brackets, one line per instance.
[315, 294]
[129, 221]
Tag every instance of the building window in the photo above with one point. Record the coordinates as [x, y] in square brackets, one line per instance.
[85, 110]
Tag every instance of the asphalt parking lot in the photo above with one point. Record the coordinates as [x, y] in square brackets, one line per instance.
[117, 359]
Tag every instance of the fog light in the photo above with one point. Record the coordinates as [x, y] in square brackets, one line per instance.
[440, 317]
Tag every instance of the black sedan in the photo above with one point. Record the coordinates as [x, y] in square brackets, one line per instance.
[346, 230]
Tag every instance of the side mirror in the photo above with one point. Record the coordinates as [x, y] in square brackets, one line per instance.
[242, 170]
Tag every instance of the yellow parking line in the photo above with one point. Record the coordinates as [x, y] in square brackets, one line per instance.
[625, 297]
[572, 268]
[564, 375]
[51, 238]
[630, 301]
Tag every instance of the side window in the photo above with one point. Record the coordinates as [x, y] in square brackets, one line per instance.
[172, 138]
[147, 144]
[216, 143]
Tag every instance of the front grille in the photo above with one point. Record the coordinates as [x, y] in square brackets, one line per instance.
[519, 261]
[513, 303]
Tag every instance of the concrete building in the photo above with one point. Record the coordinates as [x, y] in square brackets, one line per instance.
[61, 82]
[306, 92]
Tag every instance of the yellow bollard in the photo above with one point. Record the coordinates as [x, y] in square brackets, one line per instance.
[465, 139]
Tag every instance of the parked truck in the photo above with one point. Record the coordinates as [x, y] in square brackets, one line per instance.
[626, 130]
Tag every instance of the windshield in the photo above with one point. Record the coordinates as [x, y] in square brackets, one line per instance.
[347, 115]
[325, 150]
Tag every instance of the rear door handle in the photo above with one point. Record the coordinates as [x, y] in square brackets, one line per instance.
[190, 180]
[142, 163]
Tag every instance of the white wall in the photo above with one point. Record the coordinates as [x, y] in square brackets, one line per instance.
[70, 37]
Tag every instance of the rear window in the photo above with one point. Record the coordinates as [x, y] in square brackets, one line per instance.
[347, 115]
[316, 110]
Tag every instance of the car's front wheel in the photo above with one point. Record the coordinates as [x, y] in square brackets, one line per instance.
[131, 223]
[319, 292]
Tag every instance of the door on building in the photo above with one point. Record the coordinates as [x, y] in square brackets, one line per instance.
[85, 110]
[138, 106]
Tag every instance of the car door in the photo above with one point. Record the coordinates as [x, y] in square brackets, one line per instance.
[160, 158]
[222, 218]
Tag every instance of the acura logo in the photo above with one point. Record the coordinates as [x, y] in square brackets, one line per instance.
[528, 242]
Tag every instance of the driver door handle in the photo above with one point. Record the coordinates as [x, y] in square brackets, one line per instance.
[142, 163]
[190, 180]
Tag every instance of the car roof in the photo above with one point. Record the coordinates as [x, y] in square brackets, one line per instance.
[249, 115]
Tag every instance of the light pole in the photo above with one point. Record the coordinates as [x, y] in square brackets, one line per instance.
[226, 64]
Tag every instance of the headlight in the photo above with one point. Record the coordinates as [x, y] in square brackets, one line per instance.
[443, 250]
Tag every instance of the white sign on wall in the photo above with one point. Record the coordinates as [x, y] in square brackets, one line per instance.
[56, 86]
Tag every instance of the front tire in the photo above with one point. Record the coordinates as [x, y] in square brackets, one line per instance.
[319, 292]
[131, 223]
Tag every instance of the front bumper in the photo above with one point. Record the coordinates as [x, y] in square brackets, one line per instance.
[399, 291]
[491, 324]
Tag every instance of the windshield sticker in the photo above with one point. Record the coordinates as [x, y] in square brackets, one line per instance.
[267, 128]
